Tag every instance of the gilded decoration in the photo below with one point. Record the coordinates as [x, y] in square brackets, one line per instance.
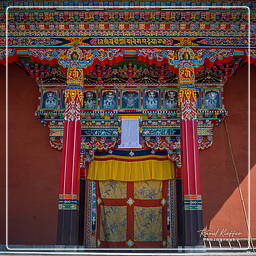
[75, 76]
[129, 62]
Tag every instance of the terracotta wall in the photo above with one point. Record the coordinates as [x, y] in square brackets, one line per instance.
[34, 166]
[222, 205]
[2, 156]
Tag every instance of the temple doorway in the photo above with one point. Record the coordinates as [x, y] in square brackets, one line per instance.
[133, 200]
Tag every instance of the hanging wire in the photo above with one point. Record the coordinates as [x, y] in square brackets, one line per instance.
[238, 183]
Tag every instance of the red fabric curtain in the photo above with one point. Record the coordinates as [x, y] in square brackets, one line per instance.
[132, 214]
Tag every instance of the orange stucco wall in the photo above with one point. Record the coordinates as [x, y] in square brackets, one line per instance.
[34, 165]
[223, 211]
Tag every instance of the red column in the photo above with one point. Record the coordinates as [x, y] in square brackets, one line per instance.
[189, 142]
[190, 167]
[68, 218]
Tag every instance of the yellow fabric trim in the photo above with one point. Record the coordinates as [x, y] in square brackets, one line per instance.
[131, 171]
[130, 117]
[116, 157]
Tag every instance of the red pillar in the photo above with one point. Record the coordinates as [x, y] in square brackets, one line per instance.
[68, 219]
[190, 167]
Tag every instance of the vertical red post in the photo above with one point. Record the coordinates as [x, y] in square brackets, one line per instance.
[190, 162]
[68, 219]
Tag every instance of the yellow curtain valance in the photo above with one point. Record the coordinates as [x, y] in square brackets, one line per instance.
[137, 168]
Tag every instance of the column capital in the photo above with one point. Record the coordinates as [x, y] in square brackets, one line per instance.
[187, 101]
[74, 94]
[73, 101]
[187, 94]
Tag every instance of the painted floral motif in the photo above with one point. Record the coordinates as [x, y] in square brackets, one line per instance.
[148, 189]
[148, 223]
[113, 189]
[113, 223]
[116, 216]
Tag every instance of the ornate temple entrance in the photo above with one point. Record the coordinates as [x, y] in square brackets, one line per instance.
[130, 112]
[135, 105]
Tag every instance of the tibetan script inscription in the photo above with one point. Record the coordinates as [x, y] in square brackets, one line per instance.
[132, 41]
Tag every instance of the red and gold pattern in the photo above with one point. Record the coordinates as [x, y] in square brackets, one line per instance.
[135, 216]
[69, 183]
[186, 75]
[187, 100]
[187, 94]
[188, 110]
[73, 94]
[74, 101]
[75, 76]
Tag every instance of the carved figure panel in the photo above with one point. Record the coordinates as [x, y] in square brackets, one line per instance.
[50, 100]
[90, 99]
[130, 99]
[171, 99]
[108, 99]
[151, 99]
[211, 100]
